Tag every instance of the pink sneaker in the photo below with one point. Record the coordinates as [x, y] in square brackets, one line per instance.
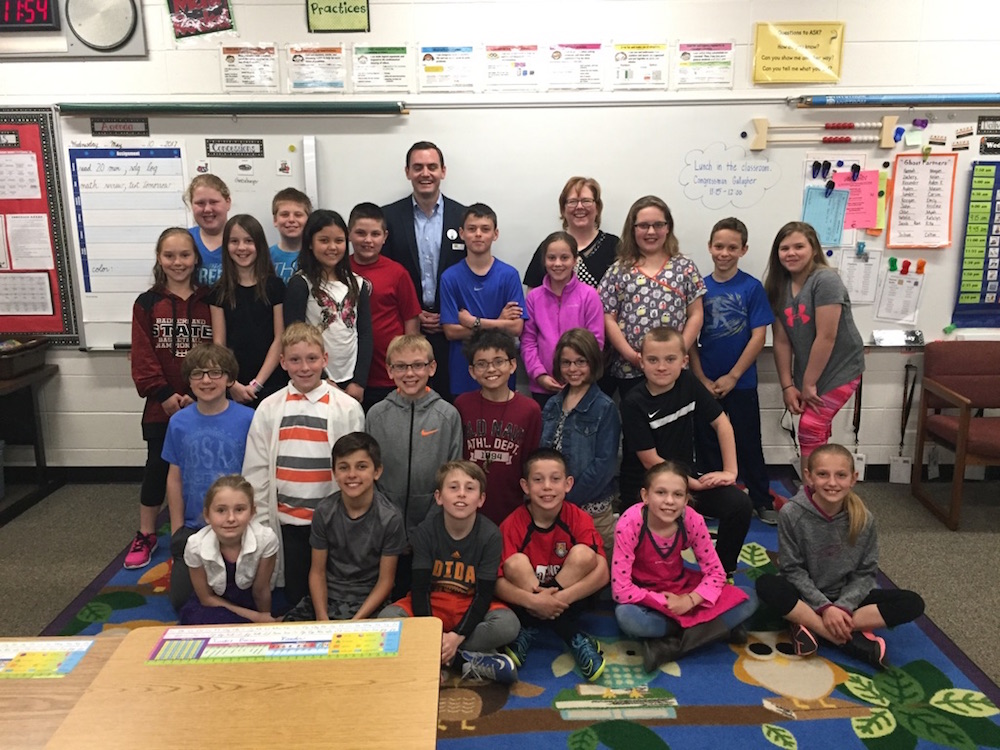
[140, 551]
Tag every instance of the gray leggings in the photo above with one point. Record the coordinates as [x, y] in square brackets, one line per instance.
[499, 627]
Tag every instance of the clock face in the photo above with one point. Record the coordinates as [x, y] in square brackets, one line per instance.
[29, 15]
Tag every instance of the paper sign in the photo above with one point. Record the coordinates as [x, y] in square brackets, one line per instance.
[338, 15]
[704, 64]
[825, 213]
[862, 205]
[447, 68]
[797, 52]
[899, 297]
[575, 66]
[640, 66]
[381, 68]
[860, 274]
[248, 67]
[316, 69]
[512, 67]
[921, 201]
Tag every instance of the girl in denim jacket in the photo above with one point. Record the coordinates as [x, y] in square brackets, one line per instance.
[583, 423]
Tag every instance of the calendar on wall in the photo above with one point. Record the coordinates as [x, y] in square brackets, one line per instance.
[36, 285]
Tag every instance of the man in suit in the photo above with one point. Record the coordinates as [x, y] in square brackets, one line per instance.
[424, 236]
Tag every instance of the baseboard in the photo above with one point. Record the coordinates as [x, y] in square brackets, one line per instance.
[78, 474]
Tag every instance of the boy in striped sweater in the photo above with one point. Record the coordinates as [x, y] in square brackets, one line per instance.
[288, 454]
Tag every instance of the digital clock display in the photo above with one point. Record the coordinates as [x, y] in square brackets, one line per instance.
[29, 15]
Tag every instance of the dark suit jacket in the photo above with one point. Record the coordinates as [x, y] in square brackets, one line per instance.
[401, 246]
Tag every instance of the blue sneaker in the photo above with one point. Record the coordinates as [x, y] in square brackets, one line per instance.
[517, 649]
[495, 667]
[587, 652]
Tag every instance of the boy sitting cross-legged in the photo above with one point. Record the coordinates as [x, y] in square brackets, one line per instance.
[357, 535]
[553, 559]
[456, 554]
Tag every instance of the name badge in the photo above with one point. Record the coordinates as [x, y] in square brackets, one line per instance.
[458, 246]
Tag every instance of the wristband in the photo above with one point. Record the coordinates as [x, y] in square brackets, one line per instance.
[257, 387]
[792, 385]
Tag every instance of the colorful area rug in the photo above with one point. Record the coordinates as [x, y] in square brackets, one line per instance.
[753, 696]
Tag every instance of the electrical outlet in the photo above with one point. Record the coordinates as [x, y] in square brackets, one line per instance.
[899, 469]
[860, 461]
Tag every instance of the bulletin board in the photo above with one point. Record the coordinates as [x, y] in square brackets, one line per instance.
[36, 286]
[696, 155]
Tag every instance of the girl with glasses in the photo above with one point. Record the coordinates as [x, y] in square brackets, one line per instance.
[650, 285]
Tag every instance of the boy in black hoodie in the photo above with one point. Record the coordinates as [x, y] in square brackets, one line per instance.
[420, 431]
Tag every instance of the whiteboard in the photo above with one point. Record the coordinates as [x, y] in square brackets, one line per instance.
[124, 191]
[517, 158]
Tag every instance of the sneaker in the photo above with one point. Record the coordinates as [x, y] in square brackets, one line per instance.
[866, 647]
[517, 649]
[140, 551]
[739, 636]
[803, 641]
[587, 652]
[767, 515]
[494, 667]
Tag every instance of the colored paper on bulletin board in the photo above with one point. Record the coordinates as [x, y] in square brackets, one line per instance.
[883, 198]
[862, 208]
[797, 52]
[825, 213]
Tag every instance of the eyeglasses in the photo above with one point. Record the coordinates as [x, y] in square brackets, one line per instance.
[417, 367]
[657, 226]
[482, 365]
[585, 202]
[212, 374]
[578, 363]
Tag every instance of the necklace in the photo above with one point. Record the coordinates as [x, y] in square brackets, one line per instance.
[488, 454]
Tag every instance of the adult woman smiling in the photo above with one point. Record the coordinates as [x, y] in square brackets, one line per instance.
[580, 207]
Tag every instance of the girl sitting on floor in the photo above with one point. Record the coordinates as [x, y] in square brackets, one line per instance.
[230, 560]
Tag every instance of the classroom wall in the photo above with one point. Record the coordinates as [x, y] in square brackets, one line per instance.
[91, 411]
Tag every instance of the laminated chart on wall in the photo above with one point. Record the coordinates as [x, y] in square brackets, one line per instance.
[123, 198]
[40, 659]
[334, 640]
[923, 187]
[977, 303]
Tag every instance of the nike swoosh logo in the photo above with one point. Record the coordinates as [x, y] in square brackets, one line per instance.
[653, 414]
[425, 433]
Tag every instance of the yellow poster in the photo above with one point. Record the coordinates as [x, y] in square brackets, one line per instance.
[808, 52]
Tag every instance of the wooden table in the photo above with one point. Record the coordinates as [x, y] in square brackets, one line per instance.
[32, 709]
[22, 425]
[385, 702]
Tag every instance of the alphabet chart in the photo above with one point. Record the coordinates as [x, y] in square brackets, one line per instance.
[333, 640]
[34, 659]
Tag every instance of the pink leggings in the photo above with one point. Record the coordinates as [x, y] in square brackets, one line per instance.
[815, 424]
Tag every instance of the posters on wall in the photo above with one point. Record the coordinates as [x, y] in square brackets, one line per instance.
[249, 67]
[385, 68]
[698, 65]
[337, 15]
[316, 69]
[447, 69]
[798, 52]
[512, 67]
[576, 66]
[191, 18]
[639, 66]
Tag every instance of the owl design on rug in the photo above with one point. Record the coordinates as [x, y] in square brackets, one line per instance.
[463, 700]
[622, 665]
[768, 660]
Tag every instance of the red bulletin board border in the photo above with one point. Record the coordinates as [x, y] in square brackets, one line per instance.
[35, 129]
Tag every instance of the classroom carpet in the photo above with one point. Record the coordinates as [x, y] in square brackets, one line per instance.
[756, 695]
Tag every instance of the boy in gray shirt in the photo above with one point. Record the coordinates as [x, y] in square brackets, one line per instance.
[356, 539]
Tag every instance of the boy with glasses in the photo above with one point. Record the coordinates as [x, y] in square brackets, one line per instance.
[205, 440]
[500, 426]
[419, 431]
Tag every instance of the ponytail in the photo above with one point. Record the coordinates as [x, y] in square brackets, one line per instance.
[857, 516]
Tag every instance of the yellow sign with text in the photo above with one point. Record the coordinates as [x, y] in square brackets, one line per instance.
[807, 52]
[337, 15]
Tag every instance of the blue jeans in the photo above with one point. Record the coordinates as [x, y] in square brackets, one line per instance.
[642, 622]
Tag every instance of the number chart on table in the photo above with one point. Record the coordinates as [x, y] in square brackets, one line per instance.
[335, 640]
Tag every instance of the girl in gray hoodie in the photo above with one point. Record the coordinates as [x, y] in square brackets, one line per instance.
[828, 557]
